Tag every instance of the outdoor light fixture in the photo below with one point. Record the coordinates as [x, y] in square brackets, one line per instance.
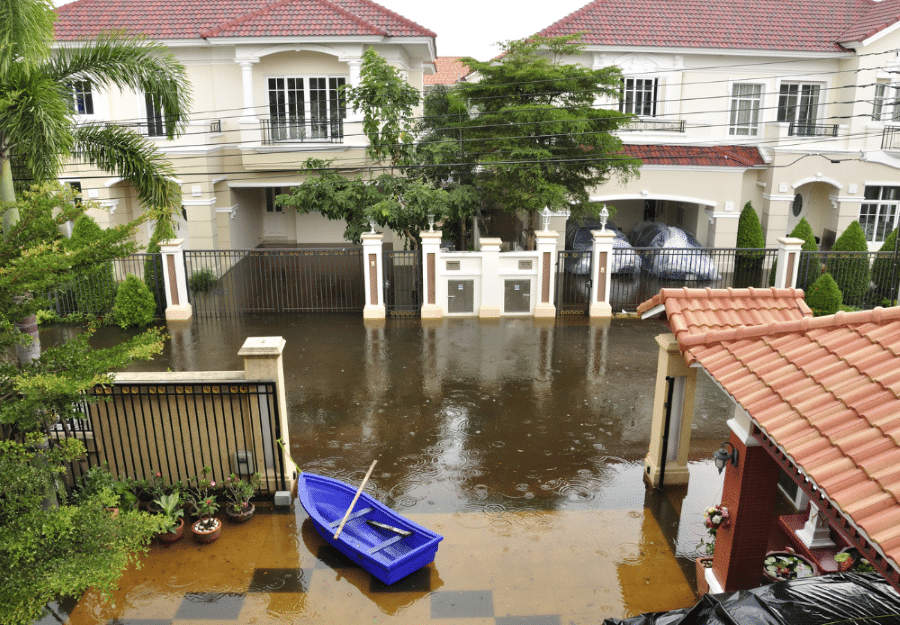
[545, 218]
[604, 216]
[372, 225]
[722, 456]
[430, 222]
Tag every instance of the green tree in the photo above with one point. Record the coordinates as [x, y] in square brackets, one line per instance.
[748, 265]
[95, 288]
[824, 296]
[540, 139]
[135, 305]
[884, 275]
[810, 267]
[851, 272]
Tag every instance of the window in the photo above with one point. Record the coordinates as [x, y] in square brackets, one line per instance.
[80, 97]
[271, 194]
[886, 106]
[878, 214]
[307, 108]
[156, 126]
[799, 104]
[745, 100]
[638, 96]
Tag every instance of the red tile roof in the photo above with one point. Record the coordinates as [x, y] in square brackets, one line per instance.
[449, 71]
[196, 19]
[785, 25]
[825, 390]
[696, 156]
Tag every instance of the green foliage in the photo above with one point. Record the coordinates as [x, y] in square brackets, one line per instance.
[95, 286]
[748, 265]
[852, 273]
[60, 550]
[135, 305]
[810, 268]
[750, 233]
[170, 509]
[883, 273]
[153, 269]
[824, 296]
[47, 316]
[202, 281]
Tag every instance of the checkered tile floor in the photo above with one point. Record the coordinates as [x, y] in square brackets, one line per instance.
[526, 569]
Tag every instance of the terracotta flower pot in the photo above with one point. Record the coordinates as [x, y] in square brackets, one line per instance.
[240, 517]
[206, 530]
[702, 563]
[171, 537]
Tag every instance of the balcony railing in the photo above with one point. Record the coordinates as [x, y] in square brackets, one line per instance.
[644, 125]
[157, 128]
[812, 130]
[890, 138]
[300, 130]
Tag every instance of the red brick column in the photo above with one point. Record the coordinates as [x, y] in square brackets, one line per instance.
[750, 494]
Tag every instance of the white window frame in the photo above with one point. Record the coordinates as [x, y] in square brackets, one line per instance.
[790, 106]
[886, 105]
[744, 105]
[296, 114]
[644, 96]
[81, 99]
[879, 211]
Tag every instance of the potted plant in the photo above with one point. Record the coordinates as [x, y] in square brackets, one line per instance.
[155, 488]
[715, 517]
[786, 565]
[850, 559]
[203, 505]
[239, 492]
[171, 510]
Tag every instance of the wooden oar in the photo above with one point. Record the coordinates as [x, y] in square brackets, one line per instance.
[355, 497]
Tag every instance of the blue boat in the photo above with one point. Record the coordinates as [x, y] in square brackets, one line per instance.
[386, 544]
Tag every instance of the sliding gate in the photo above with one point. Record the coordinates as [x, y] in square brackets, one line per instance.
[403, 283]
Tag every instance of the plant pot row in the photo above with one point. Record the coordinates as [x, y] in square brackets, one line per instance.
[207, 529]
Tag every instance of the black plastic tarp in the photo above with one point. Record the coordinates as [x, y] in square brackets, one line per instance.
[845, 598]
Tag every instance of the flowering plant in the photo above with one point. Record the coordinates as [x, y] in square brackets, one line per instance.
[786, 565]
[239, 491]
[203, 504]
[716, 517]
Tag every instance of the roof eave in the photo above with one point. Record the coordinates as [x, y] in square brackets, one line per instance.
[806, 54]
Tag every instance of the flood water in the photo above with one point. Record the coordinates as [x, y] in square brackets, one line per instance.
[520, 441]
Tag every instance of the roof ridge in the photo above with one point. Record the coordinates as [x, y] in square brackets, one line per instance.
[268, 7]
[402, 18]
[731, 292]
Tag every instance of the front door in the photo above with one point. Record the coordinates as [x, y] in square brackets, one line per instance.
[273, 221]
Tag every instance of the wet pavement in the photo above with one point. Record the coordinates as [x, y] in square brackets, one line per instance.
[521, 442]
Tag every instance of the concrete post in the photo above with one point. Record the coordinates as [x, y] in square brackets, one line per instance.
[248, 114]
[670, 364]
[263, 361]
[788, 262]
[491, 288]
[546, 243]
[601, 273]
[177, 306]
[431, 252]
[373, 272]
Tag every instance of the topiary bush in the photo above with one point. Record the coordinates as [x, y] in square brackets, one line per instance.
[135, 305]
[810, 268]
[94, 287]
[202, 281]
[748, 265]
[153, 272]
[852, 272]
[882, 270]
[824, 296]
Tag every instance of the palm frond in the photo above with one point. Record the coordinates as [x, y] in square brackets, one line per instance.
[26, 32]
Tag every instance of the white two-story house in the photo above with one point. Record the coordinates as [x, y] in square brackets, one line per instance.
[793, 105]
[266, 79]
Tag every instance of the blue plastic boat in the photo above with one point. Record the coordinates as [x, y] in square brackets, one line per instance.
[386, 544]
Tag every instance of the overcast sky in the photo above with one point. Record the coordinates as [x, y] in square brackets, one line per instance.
[472, 27]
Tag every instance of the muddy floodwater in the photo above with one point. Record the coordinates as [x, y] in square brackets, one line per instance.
[521, 442]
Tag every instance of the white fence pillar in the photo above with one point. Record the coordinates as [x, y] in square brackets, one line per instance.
[788, 262]
[546, 242]
[431, 251]
[601, 273]
[491, 286]
[373, 275]
[177, 306]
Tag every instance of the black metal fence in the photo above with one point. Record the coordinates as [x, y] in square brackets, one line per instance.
[222, 283]
[177, 429]
[93, 291]
[573, 282]
[403, 283]
[866, 279]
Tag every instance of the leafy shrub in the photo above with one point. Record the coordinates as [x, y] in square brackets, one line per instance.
[810, 268]
[153, 271]
[47, 316]
[852, 273]
[202, 281]
[824, 296]
[94, 287]
[882, 269]
[135, 305]
[748, 265]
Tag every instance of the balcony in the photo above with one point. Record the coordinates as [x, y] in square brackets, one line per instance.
[653, 125]
[300, 130]
[890, 139]
[812, 130]
[157, 128]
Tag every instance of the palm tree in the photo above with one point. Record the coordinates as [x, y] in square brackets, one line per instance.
[38, 128]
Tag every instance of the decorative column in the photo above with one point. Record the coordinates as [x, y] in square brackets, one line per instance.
[354, 66]
[431, 251]
[788, 262]
[601, 273]
[177, 306]
[248, 115]
[750, 493]
[491, 288]
[678, 406]
[546, 248]
[263, 361]
[373, 271]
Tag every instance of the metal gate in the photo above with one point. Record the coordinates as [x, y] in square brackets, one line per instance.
[232, 282]
[573, 282]
[403, 283]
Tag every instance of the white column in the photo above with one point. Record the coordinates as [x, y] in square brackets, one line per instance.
[815, 534]
[491, 288]
[601, 273]
[177, 306]
[374, 275]
[545, 242]
[431, 253]
[788, 262]
[248, 115]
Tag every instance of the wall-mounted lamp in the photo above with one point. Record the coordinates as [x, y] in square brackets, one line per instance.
[604, 217]
[722, 456]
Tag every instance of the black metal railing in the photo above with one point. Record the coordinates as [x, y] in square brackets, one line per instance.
[866, 279]
[176, 429]
[657, 125]
[890, 138]
[230, 282]
[403, 282]
[812, 130]
[301, 130]
[573, 282]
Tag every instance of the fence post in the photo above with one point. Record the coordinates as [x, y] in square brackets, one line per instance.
[788, 262]
[601, 273]
[545, 242]
[373, 275]
[431, 251]
[263, 362]
[491, 289]
[177, 306]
